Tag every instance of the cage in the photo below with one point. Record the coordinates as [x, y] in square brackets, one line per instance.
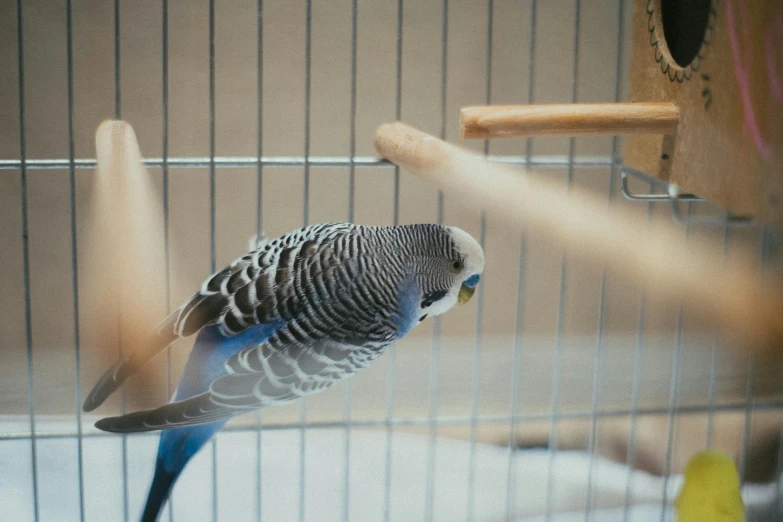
[560, 393]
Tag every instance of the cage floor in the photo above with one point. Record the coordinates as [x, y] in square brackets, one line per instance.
[107, 496]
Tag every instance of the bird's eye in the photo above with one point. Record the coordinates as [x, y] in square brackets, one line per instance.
[457, 265]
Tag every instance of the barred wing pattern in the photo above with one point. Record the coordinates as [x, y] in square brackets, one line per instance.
[281, 379]
[336, 309]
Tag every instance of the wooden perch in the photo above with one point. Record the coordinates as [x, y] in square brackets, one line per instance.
[124, 253]
[578, 119]
[729, 295]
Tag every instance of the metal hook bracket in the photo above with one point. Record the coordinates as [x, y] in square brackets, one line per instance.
[675, 197]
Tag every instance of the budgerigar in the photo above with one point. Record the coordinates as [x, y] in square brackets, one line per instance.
[711, 490]
[292, 317]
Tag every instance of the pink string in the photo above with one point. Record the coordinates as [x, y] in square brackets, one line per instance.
[764, 148]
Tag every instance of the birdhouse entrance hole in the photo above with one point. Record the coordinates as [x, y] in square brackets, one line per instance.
[684, 25]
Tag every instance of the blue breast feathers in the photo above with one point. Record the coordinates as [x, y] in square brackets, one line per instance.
[409, 297]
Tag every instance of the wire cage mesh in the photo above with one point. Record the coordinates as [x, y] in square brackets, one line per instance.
[560, 392]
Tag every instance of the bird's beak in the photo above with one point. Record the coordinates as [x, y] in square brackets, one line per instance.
[465, 293]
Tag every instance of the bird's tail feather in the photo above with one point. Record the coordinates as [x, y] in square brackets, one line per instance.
[160, 490]
[158, 341]
[175, 449]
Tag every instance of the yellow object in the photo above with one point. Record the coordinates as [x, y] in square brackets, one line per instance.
[465, 293]
[711, 490]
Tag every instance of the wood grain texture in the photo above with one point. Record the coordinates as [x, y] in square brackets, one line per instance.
[729, 144]
[578, 119]
[727, 294]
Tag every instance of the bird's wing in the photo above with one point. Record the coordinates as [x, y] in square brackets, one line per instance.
[270, 373]
[199, 409]
[256, 289]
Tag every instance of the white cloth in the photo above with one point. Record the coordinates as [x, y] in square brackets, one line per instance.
[324, 494]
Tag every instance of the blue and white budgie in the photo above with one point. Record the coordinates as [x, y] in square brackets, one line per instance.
[292, 317]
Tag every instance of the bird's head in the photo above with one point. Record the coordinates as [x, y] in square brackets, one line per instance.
[450, 271]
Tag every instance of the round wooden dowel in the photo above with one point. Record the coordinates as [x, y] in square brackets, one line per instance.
[729, 295]
[576, 119]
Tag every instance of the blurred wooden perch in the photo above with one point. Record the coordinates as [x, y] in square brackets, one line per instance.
[125, 249]
[728, 295]
[573, 119]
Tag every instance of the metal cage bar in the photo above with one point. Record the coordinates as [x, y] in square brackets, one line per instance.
[451, 420]
[561, 310]
[351, 211]
[435, 351]
[515, 378]
[259, 221]
[165, 167]
[636, 384]
[306, 220]
[475, 378]
[600, 351]
[674, 391]
[395, 221]
[543, 161]
[26, 261]
[212, 216]
[475, 385]
[74, 254]
[714, 363]
[750, 383]
[519, 317]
